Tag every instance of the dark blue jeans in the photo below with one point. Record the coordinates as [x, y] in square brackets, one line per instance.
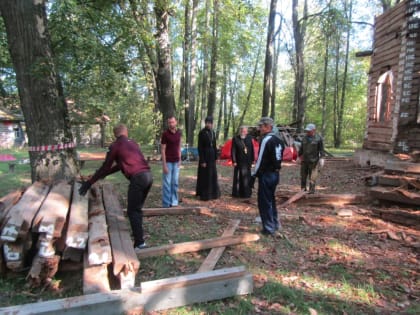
[267, 183]
[138, 189]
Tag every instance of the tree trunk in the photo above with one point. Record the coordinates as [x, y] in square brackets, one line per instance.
[164, 73]
[40, 91]
[205, 71]
[273, 88]
[211, 101]
[324, 87]
[193, 76]
[336, 88]
[185, 75]
[337, 144]
[269, 53]
[299, 30]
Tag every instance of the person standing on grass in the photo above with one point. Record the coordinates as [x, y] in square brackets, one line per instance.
[128, 159]
[267, 170]
[242, 153]
[311, 154]
[171, 160]
[207, 187]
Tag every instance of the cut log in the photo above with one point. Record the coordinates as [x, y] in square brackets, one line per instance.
[77, 231]
[6, 203]
[52, 215]
[43, 270]
[402, 167]
[148, 212]
[195, 246]
[211, 260]
[394, 195]
[22, 213]
[125, 261]
[292, 199]
[95, 278]
[99, 249]
[153, 295]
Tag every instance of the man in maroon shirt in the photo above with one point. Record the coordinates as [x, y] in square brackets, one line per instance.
[171, 159]
[124, 155]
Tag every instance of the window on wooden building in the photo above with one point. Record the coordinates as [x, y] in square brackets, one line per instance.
[384, 97]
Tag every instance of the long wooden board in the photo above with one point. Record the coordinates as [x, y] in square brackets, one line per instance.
[194, 246]
[125, 261]
[149, 212]
[22, 213]
[77, 230]
[211, 260]
[95, 278]
[152, 296]
[7, 202]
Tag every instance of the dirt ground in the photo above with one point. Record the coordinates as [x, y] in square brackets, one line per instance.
[356, 264]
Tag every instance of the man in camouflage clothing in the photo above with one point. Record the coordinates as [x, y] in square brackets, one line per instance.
[311, 154]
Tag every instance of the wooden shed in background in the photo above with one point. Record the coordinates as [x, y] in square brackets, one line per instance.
[393, 117]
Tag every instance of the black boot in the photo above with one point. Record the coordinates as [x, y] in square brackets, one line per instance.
[311, 188]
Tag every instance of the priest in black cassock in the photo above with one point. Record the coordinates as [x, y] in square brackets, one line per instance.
[242, 158]
[207, 183]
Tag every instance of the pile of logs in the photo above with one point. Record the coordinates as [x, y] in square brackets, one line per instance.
[399, 184]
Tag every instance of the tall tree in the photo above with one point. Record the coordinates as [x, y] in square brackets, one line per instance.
[299, 32]
[388, 4]
[164, 58]
[269, 54]
[40, 90]
[211, 100]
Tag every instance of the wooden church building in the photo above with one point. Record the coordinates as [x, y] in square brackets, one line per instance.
[393, 117]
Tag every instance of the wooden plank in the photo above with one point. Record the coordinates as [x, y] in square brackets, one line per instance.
[149, 212]
[7, 202]
[99, 249]
[52, 215]
[331, 199]
[402, 166]
[125, 261]
[153, 295]
[95, 278]
[294, 198]
[43, 270]
[393, 195]
[22, 213]
[408, 218]
[195, 246]
[77, 230]
[212, 258]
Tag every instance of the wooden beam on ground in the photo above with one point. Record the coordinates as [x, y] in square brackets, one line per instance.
[402, 167]
[294, 198]
[212, 258]
[22, 213]
[395, 195]
[52, 215]
[148, 212]
[125, 261]
[152, 296]
[99, 249]
[43, 270]
[7, 202]
[95, 278]
[409, 218]
[331, 199]
[77, 230]
[195, 246]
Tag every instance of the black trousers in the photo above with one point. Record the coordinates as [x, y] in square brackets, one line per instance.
[241, 181]
[138, 189]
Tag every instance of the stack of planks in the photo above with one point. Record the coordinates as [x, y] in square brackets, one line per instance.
[50, 223]
[399, 183]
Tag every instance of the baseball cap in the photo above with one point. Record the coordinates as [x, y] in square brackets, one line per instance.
[266, 121]
[310, 127]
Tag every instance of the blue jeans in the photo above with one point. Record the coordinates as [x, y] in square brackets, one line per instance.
[267, 183]
[170, 185]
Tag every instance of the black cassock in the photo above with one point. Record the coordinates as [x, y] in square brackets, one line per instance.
[207, 184]
[243, 155]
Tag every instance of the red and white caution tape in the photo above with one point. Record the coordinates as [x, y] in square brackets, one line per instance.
[52, 147]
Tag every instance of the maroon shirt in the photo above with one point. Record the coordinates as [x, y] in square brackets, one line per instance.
[127, 157]
[172, 140]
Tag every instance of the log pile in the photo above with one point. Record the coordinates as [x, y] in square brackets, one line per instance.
[398, 184]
